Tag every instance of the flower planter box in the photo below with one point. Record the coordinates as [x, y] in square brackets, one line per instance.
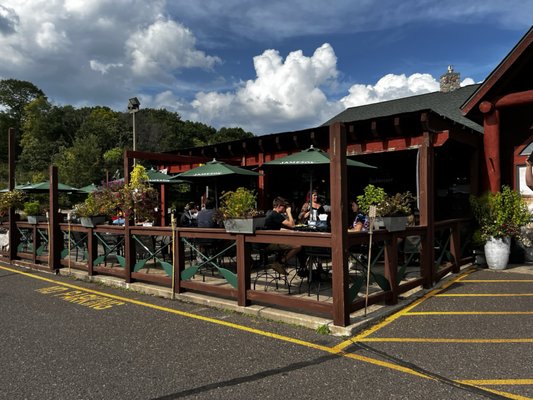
[91, 222]
[35, 219]
[244, 225]
[395, 224]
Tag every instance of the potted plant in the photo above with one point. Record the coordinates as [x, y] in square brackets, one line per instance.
[238, 211]
[11, 199]
[34, 212]
[501, 216]
[90, 212]
[392, 210]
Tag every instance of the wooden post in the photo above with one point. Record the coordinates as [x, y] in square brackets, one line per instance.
[92, 250]
[491, 144]
[455, 246]
[426, 207]
[55, 239]
[339, 218]
[14, 236]
[243, 271]
[179, 261]
[129, 247]
[391, 267]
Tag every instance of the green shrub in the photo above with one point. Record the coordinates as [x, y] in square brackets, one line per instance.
[500, 214]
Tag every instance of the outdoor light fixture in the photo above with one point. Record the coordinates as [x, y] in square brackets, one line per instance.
[133, 104]
[133, 107]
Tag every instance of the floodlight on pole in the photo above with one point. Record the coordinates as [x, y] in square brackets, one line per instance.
[133, 107]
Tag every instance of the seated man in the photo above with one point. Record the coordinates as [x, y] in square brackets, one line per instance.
[280, 217]
[206, 216]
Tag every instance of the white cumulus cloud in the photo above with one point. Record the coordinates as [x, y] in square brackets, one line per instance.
[165, 46]
[284, 92]
[390, 87]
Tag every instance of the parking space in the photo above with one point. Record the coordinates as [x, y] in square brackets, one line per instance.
[476, 330]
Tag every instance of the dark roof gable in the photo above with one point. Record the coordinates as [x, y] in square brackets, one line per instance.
[444, 104]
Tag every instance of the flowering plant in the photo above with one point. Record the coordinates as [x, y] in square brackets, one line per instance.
[501, 214]
[11, 198]
[136, 199]
[398, 204]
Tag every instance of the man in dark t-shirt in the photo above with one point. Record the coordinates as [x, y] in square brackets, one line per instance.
[280, 217]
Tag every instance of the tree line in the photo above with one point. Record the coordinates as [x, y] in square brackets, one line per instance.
[87, 144]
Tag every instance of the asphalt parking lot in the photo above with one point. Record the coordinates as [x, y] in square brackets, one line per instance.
[471, 338]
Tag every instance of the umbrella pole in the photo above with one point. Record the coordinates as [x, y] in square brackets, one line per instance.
[372, 216]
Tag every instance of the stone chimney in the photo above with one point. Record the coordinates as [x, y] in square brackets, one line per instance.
[450, 80]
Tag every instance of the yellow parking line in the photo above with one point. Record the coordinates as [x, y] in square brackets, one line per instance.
[400, 313]
[469, 313]
[508, 395]
[497, 382]
[443, 340]
[484, 295]
[288, 339]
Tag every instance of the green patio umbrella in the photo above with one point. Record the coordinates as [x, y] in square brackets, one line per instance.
[158, 177]
[89, 188]
[17, 187]
[45, 187]
[312, 157]
[214, 169]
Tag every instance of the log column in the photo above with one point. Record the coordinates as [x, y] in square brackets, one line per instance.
[491, 144]
[339, 217]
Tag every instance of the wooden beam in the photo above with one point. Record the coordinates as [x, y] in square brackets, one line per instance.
[165, 157]
[312, 136]
[397, 126]
[515, 99]
[374, 128]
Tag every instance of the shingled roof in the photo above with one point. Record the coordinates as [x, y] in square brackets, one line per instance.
[444, 104]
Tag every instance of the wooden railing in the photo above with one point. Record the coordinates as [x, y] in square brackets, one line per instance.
[164, 257]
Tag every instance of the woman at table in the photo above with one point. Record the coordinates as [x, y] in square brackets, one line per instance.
[361, 222]
[311, 210]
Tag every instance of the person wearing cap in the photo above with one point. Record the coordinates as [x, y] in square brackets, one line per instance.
[279, 218]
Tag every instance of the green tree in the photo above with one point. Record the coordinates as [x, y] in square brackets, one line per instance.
[81, 164]
[15, 95]
[42, 136]
[199, 133]
[159, 131]
[229, 135]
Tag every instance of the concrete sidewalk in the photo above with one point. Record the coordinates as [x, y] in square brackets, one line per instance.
[359, 321]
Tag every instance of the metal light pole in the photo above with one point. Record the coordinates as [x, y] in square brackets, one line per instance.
[133, 107]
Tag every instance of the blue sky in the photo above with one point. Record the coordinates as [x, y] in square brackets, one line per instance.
[264, 66]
